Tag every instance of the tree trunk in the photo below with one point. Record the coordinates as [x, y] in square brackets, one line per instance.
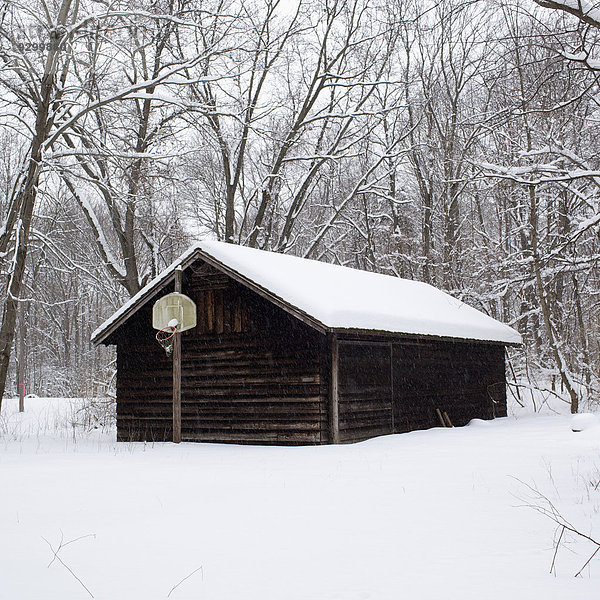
[27, 195]
[11, 305]
[21, 363]
[545, 306]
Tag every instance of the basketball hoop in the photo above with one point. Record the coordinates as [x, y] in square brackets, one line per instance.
[172, 313]
[165, 337]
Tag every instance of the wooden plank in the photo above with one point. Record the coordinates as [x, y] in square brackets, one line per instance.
[236, 396]
[254, 438]
[392, 416]
[227, 313]
[210, 310]
[237, 314]
[245, 318]
[202, 312]
[447, 419]
[218, 299]
[439, 414]
[224, 424]
[417, 339]
[334, 383]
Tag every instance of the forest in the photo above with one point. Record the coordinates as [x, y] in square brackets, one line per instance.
[455, 142]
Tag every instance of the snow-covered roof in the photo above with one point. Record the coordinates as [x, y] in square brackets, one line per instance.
[333, 297]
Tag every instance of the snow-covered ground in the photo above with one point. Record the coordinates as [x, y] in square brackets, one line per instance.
[427, 515]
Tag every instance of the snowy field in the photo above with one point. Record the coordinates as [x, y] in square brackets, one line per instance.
[438, 514]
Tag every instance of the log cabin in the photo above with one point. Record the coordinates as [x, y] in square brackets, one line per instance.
[288, 350]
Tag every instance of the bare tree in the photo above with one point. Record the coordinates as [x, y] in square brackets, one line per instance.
[548, 193]
[49, 80]
[38, 90]
[297, 101]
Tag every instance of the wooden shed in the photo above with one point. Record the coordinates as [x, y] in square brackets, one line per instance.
[294, 351]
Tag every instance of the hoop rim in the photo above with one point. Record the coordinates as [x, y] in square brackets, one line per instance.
[168, 328]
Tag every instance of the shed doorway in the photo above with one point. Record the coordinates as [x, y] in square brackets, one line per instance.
[365, 389]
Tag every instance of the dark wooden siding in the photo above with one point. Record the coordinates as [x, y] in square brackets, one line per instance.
[250, 372]
[220, 302]
[466, 380]
[144, 382]
[144, 385]
[259, 388]
[365, 390]
[381, 393]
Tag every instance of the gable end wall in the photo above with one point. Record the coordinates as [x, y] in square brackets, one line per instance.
[251, 373]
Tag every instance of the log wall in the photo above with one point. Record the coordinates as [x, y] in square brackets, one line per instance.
[250, 372]
[466, 380]
[395, 386]
[365, 390]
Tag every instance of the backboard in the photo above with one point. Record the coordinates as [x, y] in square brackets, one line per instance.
[174, 306]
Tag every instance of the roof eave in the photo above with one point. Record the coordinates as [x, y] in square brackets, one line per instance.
[406, 335]
[197, 253]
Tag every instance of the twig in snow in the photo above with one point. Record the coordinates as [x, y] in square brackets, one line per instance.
[60, 560]
[543, 505]
[562, 531]
[200, 568]
[587, 562]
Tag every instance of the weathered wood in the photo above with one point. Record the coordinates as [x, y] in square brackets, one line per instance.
[177, 369]
[267, 437]
[365, 396]
[210, 310]
[440, 417]
[257, 380]
[334, 399]
[365, 336]
[252, 373]
[218, 300]
[455, 377]
[391, 351]
[177, 388]
[268, 297]
[237, 315]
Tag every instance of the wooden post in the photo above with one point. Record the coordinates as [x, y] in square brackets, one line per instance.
[177, 370]
[392, 400]
[334, 416]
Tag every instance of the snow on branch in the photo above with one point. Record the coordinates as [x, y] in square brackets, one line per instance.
[109, 258]
[585, 11]
[537, 173]
[124, 94]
